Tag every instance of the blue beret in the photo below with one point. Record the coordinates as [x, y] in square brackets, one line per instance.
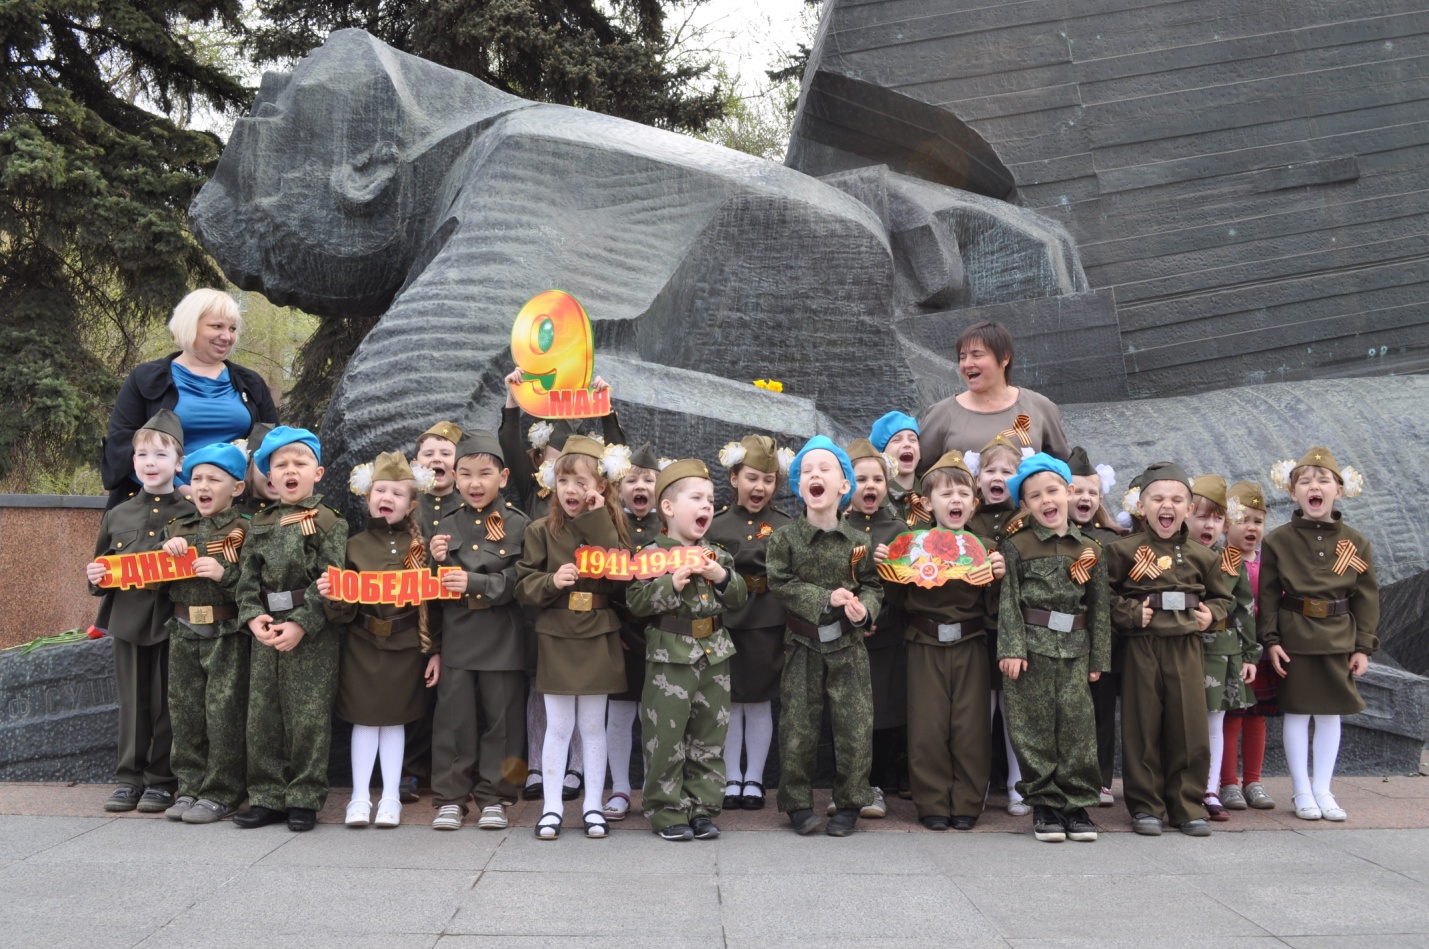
[221, 455]
[891, 424]
[818, 443]
[283, 436]
[1030, 466]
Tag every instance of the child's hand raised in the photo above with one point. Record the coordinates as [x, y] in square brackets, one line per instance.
[455, 581]
[880, 553]
[598, 384]
[210, 569]
[441, 546]
[514, 378]
[1204, 619]
[594, 499]
[565, 576]
[999, 567]
[176, 546]
[95, 571]
[1012, 668]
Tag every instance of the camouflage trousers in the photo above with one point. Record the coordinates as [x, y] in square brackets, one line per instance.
[290, 701]
[686, 719]
[809, 676]
[1054, 735]
[208, 710]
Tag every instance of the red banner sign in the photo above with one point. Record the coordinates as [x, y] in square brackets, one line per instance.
[389, 587]
[127, 571]
[617, 564]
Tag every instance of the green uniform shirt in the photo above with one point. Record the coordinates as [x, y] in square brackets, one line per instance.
[807, 564]
[1185, 566]
[489, 638]
[738, 531]
[523, 477]
[543, 555]
[1238, 636]
[991, 520]
[881, 527]
[431, 510]
[698, 600]
[278, 558]
[251, 505]
[139, 616]
[1039, 577]
[1298, 559]
[200, 591]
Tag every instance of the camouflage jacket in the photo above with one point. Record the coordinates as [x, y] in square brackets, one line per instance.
[807, 564]
[1039, 577]
[282, 558]
[1237, 637]
[140, 615]
[698, 600]
[201, 533]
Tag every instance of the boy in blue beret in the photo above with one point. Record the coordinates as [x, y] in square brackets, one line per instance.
[896, 435]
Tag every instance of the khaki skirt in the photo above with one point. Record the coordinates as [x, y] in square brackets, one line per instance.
[1319, 685]
[590, 665]
[757, 664]
[380, 686]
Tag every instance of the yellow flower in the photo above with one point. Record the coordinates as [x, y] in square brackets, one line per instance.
[772, 385]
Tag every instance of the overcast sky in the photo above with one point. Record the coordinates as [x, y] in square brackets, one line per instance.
[752, 35]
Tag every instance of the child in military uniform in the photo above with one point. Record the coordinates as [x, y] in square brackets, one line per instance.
[995, 518]
[637, 496]
[872, 516]
[1167, 589]
[1319, 609]
[949, 717]
[259, 495]
[387, 652]
[1231, 649]
[294, 666]
[896, 435]
[821, 568]
[482, 646]
[756, 466]
[137, 620]
[1245, 520]
[1054, 638]
[208, 648]
[1089, 486]
[578, 634]
[686, 697]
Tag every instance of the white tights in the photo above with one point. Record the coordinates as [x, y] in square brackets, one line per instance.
[1297, 751]
[565, 714]
[1014, 770]
[367, 741]
[619, 742]
[1216, 721]
[536, 741]
[751, 730]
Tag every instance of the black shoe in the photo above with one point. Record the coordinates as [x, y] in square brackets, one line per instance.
[677, 832]
[1047, 825]
[302, 819]
[407, 791]
[843, 823]
[935, 822]
[259, 817]
[805, 821]
[534, 792]
[704, 828]
[155, 800]
[755, 801]
[1079, 825]
[733, 801]
[124, 798]
[569, 793]
[962, 822]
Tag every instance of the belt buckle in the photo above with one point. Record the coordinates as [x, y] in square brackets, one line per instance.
[1317, 609]
[278, 602]
[581, 602]
[1060, 622]
[477, 603]
[950, 632]
[1173, 600]
[830, 632]
[201, 615]
[700, 628]
[381, 628]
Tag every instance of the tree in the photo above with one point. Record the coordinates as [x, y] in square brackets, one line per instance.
[96, 178]
[757, 124]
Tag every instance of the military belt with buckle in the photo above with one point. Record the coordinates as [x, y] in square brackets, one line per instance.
[581, 602]
[1315, 609]
[383, 628]
[697, 628]
[1056, 622]
[478, 602]
[205, 615]
[284, 600]
[946, 632]
[755, 584]
[826, 633]
[1173, 600]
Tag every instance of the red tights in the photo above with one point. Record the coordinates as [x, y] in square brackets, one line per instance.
[1250, 729]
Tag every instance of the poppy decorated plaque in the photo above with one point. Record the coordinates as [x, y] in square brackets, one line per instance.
[930, 558]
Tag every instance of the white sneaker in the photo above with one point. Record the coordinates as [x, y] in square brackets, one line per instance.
[359, 813]
[1330, 809]
[877, 809]
[493, 817]
[1106, 799]
[1017, 808]
[448, 818]
[1308, 811]
[389, 812]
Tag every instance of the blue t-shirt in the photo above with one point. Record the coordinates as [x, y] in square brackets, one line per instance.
[211, 410]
